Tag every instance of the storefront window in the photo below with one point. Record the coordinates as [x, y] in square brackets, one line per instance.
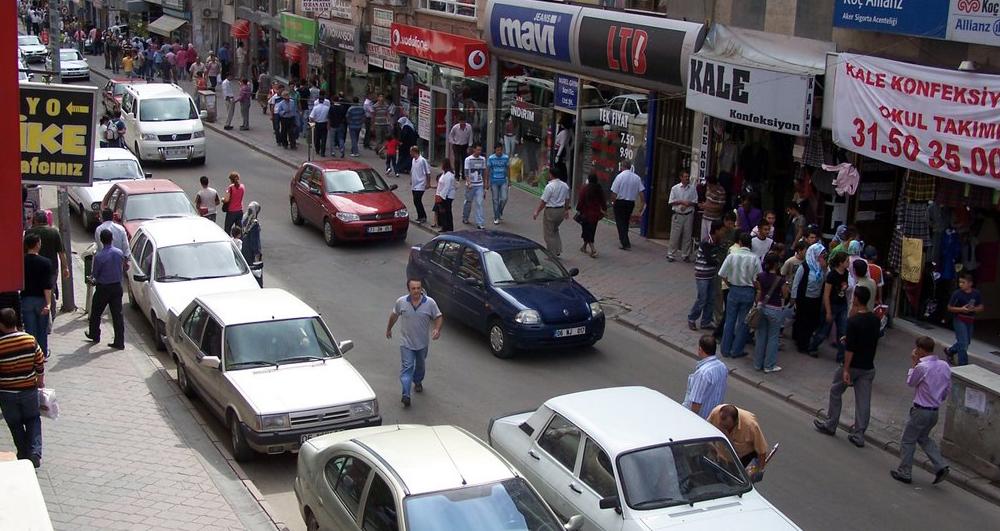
[464, 8]
[525, 118]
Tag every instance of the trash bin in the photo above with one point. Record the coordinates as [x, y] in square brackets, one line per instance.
[88, 268]
[206, 102]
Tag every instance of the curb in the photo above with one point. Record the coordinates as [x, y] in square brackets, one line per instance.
[975, 484]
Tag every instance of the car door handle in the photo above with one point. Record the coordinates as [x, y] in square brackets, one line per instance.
[574, 488]
[533, 455]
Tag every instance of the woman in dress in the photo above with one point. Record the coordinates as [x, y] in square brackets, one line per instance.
[591, 206]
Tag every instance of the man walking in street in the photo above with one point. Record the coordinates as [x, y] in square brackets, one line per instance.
[319, 116]
[229, 95]
[109, 265]
[555, 203]
[232, 204]
[119, 235]
[460, 137]
[739, 270]
[381, 121]
[625, 190]
[245, 99]
[706, 386]
[207, 200]
[475, 169]
[860, 343]
[369, 107]
[706, 266]
[286, 112]
[52, 248]
[355, 121]
[743, 431]
[420, 321]
[338, 125]
[683, 198]
[22, 368]
[930, 378]
[420, 174]
[497, 166]
[36, 297]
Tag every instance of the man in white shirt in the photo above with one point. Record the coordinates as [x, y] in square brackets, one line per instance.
[475, 171]
[762, 241]
[207, 200]
[460, 137]
[119, 238]
[446, 191]
[369, 107]
[319, 116]
[420, 173]
[739, 270]
[626, 189]
[683, 198]
[555, 203]
[229, 94]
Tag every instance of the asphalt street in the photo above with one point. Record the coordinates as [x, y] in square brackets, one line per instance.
[820, 482]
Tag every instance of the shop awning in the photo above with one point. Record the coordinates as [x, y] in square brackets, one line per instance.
[240, 29]
[769, 51]
[166, 24]
[294, 51]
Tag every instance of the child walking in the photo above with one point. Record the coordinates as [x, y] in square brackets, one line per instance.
[391, 148]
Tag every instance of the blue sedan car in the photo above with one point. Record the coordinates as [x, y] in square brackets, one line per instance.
[509, 287]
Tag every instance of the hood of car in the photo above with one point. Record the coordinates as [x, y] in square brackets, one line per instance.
[32, 48]
[366, 203]
[751, 513]
[175, 296]
[562, 301]
[75, 64]
[180, 127]
[301, 386]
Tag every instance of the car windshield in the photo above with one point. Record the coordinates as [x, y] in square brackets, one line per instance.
[118, 88]
[353, 181]
[27, 40]
[110, 170]
[274, 342]
[167, 110]
[152, 206]
[643, 106]
[196, 261]
[680, 473]
[528, 264]
[70, 55]
[508, 505]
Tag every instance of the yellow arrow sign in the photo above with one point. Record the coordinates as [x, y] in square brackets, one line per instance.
[73, 108]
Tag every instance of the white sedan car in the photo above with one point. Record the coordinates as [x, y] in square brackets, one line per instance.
[111, 165]
[32, 49]
[175, 260]
[72, 64]
[636, 105]
[415, 478]
[631, 459]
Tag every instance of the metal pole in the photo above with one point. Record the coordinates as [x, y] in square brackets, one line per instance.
[68, 296]
[54, 37]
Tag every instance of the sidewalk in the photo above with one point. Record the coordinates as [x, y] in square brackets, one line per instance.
[643, 291]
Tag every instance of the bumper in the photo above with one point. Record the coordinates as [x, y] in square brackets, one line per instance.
[75, 74]
[359, 230]
[35, 57]
[289, 441]
[172, 151]
[529, 337]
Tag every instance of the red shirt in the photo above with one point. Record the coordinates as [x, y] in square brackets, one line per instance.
[236, 192]
[391, 146]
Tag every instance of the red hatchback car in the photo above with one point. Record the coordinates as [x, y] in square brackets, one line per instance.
[135, 202]
[349, 200]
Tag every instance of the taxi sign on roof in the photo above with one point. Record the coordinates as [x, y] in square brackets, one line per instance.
[57, 133]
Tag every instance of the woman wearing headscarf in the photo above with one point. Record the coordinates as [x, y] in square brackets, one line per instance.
[251, 237]
[407, 139]
[807, 291]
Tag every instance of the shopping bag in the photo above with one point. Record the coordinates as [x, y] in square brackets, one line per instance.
[47, 403]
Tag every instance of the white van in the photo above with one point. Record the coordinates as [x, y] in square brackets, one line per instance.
[163, 123]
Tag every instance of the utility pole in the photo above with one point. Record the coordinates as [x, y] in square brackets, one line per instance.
[55, 38]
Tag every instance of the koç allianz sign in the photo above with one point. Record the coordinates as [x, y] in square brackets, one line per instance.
[975, 21]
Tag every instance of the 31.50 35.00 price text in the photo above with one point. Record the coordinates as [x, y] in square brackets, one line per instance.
[979, 161]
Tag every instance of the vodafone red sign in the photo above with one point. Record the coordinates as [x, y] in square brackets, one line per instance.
[471, 56]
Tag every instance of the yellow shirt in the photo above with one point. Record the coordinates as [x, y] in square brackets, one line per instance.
[127, 63]
[746, 436]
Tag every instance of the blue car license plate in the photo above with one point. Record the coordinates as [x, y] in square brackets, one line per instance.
[568, 332]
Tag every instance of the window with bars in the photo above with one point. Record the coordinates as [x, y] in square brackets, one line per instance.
[461, 8]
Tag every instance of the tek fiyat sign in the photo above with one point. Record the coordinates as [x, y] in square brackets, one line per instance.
[57, 134]
[936, 121]
[765, 99]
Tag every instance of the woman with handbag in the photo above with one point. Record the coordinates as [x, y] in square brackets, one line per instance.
[770, 314]
[590, 208]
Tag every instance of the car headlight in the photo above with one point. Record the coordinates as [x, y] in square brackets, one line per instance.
[274, 422]
[365, 409]
[149, 136]
[401, 213]
[528, 317]
[198, 134]
[95, 206]
[596, 309]
[347, 216]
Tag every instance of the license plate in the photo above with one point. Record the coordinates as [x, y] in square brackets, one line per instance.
[176, 152]
[380, 228]
[568, 332]
[308, 436]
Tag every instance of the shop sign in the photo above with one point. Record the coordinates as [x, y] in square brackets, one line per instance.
[935, 121]
[328, 8]
[315, 59]
[424, 113]
[523, 110]
[57, 134]
[924, 18]
[975, 21]
[765, 99]
[567, 92]
[298, 29]
[526, 28]
[316, 6]
[468, 55]
[382, 17]
[357, 62]
[339, 36]
[381, 35]
[382, 57]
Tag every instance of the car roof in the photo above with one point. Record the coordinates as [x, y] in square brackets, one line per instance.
[489, 240]
[448, 458]
[254, 306]
[149, 186]
[178, 231]
[113, 154]
[621, 419]
[152, 90]
[339, 164]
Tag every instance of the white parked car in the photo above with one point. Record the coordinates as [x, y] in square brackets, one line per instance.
[266, 364]
[636, 105]
[163, 123]
[32, 49]
[175, 260]
[21, 74]
[631, 459]
[415, 478]
[111, 165]
[72, 65]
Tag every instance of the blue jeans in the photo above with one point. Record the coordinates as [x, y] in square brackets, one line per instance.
[412, 367]
[355, 133]
[35, 323]
[734, 335]
[704, 304]
[340, 139]
[20, 410]
[473, 195]
[498, 192]
[765, 352]
[963, 336]
[840, 320]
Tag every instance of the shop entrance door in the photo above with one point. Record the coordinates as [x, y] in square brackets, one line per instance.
[669, 159]
[441, 123]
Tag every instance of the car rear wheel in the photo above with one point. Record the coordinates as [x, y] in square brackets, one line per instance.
[159, 331]
[138, 154]
[499, 340]
[311, 523]
[329, 236]
[182, 379]
[293, 211]
[131, 298]
[241, 450]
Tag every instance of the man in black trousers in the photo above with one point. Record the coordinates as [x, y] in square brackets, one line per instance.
[109, 265]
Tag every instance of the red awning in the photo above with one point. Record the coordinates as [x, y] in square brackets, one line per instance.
[294, 51]
[240, 29]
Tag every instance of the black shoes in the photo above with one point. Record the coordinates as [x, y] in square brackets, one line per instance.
[821, 427]
[92, 339]
[858, 441]
[941, 474]
[900, 478]
[692, 325]
[117, 346]
[418, 387]
[36, 460]
[406, 401]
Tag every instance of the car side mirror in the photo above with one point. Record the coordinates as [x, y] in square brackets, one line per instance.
[345, 345]
[148, 175]
[212, 362]
[315, 190]
[393, 187]
[139, 277]
[203, 115]
[574, 523]
[611, 502]
[574, 272]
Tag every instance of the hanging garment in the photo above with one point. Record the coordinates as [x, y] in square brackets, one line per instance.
[913, 256]
[847, 178]
[951, 249]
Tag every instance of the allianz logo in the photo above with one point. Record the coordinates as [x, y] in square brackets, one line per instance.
[534, 37]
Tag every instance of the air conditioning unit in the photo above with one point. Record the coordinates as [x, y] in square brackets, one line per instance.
[209, 13]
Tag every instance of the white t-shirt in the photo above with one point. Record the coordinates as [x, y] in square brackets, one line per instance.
[446, 185]
[556, 193]
[419, 172]
[760, 247]
[474, 169]
[627, 185]
[206, 200]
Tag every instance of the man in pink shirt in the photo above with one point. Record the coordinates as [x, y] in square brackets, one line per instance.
[181, 61]
[930, 378]
[233, 202]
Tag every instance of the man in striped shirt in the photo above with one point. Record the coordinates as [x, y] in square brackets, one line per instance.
[22, 365]
[706, 386]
